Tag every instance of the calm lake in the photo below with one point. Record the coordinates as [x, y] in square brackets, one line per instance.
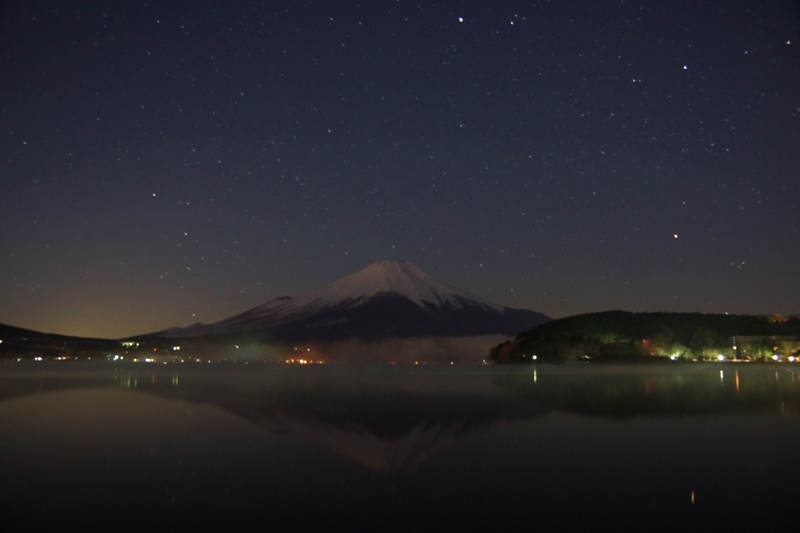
[105, 446]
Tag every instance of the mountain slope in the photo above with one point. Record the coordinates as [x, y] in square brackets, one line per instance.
[384, 300]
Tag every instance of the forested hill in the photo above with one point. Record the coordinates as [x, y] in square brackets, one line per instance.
[623, 335]
[20, 342]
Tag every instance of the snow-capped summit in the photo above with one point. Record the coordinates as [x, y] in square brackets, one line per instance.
[402, 278]
[385, 299]
[383, 278]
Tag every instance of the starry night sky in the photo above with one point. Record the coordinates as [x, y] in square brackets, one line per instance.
[165, 163]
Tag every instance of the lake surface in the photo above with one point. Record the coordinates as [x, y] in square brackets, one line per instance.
[105, 446]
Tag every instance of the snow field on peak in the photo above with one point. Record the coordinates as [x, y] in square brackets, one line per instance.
[397, 277]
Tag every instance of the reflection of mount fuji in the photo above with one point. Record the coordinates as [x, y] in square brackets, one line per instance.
[386, 421]
[388, 445]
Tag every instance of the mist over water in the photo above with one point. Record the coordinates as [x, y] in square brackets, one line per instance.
[428, 349]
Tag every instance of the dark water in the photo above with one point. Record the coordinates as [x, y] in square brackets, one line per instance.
[181, 447]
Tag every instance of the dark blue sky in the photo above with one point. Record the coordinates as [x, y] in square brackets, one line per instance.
[171, 162]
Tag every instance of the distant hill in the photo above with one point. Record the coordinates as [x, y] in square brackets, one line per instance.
[20, 342]
[622, 335]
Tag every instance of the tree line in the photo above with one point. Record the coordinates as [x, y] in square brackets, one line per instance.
[626, 336]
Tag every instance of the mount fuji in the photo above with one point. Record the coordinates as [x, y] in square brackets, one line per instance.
[385, 300]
